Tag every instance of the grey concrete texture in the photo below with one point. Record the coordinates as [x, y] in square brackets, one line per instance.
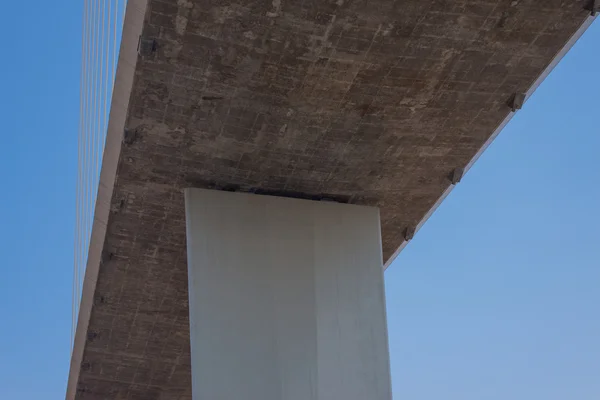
[374, 103]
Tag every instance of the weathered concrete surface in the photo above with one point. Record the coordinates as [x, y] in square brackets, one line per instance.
[374, 103]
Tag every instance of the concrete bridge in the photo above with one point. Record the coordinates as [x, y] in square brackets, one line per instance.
[315, 138]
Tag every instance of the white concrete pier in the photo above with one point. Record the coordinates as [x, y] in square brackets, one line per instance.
[286, 299]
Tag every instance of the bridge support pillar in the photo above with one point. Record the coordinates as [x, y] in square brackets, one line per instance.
[286, 299]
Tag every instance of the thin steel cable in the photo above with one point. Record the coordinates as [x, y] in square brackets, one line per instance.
[91, 105]
[108, 66]
[108, 84]
[85, 140]
[94, 135]
[90, 124]
[80, 156]
[99, 104]
[99, 68]
[83, 145]
[85, 150]
[98, 121]
[101, 115]
[106, 80]
[81, 122]
[90, 135]
[114, 60]
[85, 132]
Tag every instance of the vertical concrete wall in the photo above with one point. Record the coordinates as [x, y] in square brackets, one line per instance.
[286, 299]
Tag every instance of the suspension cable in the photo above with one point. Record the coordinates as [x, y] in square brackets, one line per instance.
[77, 197]
[96, 86]
[106, 103]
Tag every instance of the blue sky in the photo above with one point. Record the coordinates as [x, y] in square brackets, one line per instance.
[496, 297]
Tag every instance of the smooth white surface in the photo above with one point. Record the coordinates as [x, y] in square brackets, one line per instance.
[286, 299]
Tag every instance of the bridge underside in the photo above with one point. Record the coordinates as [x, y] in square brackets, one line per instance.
[367, 102]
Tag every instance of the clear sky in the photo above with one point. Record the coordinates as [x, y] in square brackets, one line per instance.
[496, 298]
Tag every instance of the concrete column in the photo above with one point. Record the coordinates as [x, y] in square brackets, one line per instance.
[286, 299]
